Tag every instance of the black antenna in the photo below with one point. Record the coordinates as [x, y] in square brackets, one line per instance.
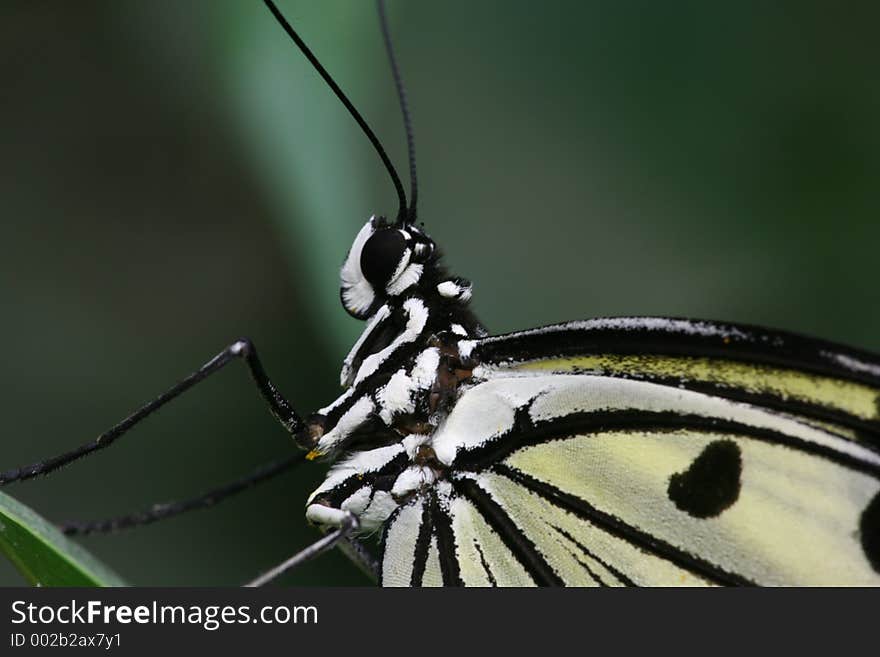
[401, 195]
[404, 109]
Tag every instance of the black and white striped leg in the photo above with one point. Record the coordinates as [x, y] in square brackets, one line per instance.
[170, 509]
[243, 349]
[347, 526]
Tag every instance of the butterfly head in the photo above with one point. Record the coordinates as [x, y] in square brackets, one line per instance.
[386, 260]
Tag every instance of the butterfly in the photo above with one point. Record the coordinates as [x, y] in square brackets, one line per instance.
[617, 451]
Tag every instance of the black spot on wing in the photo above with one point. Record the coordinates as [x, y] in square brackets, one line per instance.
[869, 529]
[712, 482]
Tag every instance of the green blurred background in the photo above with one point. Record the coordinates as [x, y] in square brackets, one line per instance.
[175, 176]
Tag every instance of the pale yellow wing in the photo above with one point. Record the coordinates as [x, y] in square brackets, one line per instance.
[571, 467]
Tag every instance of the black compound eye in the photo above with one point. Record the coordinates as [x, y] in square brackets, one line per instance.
[381, 256]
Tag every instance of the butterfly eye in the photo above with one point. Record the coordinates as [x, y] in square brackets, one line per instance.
[384, 256]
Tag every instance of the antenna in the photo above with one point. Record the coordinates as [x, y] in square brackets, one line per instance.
[398, 186]
[404, 109]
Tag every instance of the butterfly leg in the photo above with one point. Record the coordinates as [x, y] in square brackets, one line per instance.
[170, 509]
[240, 349]
[360, 556]
[347, 525]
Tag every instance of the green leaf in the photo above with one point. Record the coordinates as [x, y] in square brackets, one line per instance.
[43, 554]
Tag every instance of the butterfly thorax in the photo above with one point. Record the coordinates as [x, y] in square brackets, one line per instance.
[401, 377]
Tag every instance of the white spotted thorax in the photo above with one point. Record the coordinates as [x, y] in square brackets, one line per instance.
[402, 376]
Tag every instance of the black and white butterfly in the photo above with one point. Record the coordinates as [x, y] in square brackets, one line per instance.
[620, 451]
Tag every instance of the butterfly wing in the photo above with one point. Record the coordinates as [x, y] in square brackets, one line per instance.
[652, 452]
